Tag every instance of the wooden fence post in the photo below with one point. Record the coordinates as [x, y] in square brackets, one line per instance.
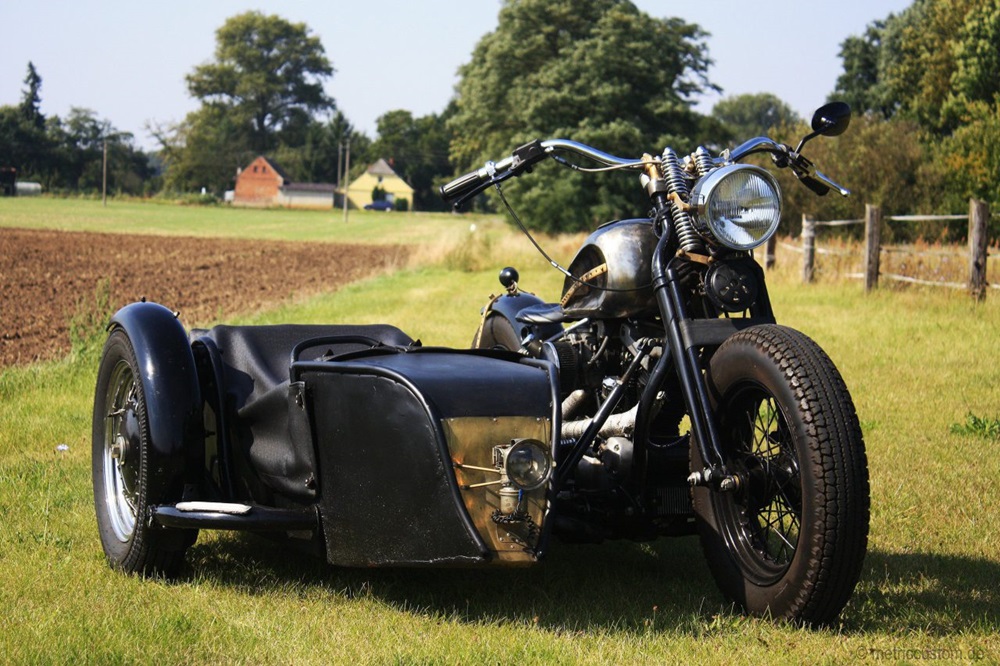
[979, 217]
[769, 248]
[808, 247]
[873, 244]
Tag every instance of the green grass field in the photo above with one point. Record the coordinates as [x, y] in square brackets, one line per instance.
[917, 361]
[133, 217]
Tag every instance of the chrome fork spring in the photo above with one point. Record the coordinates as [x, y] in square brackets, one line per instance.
[703, 161]
[687, 237]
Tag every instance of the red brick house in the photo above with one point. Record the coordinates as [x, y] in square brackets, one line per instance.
[264, 183]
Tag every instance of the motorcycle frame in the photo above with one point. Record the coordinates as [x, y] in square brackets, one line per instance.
[685, 339]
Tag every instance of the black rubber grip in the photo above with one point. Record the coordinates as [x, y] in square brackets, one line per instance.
[461, 186]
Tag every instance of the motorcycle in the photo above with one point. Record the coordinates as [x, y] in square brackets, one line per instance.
[658, 397]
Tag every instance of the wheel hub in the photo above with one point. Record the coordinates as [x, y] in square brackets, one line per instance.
[122, 458]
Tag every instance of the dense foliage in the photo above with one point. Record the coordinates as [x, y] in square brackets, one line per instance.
[747, 116]
[596, 71]
[930, 76]
[924, 84]
[68, 154]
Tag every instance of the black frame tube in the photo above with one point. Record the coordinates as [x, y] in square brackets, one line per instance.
[666, 287]
[567, 466]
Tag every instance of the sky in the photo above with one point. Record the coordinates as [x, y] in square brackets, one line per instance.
[127, 59]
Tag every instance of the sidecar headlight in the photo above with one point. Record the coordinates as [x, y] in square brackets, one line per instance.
[738, 205]
[526, 463]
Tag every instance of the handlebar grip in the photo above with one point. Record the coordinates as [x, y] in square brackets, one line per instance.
[461, 185]
[817, 186]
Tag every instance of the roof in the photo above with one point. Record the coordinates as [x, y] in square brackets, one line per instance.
[277, 167]
[381, 168]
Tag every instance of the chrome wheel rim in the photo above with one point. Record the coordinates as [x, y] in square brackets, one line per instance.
[121, 456]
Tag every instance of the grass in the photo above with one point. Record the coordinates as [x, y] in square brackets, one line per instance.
[133, 217]
[918, 361]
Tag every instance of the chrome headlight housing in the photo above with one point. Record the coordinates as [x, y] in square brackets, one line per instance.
[737, 205]
[525, 464]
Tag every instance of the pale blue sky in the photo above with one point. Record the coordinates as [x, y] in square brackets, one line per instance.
[126, 59]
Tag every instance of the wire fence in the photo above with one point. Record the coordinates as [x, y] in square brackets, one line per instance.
[873, 249]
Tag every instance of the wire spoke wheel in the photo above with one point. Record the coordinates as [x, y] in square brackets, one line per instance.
[120, 464]
[765, 513]
[790, 540]
[121, 460]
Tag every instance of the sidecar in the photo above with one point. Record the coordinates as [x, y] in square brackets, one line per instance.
[352, 442]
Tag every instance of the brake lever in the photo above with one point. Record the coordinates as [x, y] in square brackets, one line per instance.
[807, 174]
[827, 182]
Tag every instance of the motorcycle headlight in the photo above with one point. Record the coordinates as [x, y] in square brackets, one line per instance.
[738, 205]
[526, 464]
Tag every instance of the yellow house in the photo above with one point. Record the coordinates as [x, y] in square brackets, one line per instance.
[380, 174]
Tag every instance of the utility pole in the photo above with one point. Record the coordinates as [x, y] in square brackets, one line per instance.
[347, 177]
[340, 157]
[104, 179]
[340, 188]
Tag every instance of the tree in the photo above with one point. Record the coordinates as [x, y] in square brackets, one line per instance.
[204, 151]
[938, 69]
[268, 74]
[417, 149]
[859, 83]
[976, 77]
[751, 115]
[917, 60]
[597, 71]
[24, 144]
[318, 156]
[881, 162]
[31, 101]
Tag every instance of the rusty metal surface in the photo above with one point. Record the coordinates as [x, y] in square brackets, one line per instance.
[470, 442]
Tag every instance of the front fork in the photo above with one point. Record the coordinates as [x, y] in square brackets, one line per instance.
[686, 337]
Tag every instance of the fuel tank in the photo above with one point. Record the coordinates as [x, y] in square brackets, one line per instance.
[612, 274]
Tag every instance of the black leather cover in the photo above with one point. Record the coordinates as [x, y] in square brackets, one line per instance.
[269, 423]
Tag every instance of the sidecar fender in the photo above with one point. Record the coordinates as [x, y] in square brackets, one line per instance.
[166, 369]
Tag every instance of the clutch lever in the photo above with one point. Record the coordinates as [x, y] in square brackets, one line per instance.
[495, 179]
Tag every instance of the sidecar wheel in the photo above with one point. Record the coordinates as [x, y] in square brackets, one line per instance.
[121, 470]
[791, 540]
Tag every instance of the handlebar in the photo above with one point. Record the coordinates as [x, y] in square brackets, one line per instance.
[462, 185]
[465, 187]
[785, 156]
[523, 158]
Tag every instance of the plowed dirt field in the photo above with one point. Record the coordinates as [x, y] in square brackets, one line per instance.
[48, 276]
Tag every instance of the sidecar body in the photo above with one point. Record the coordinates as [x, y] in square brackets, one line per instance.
[351, 441]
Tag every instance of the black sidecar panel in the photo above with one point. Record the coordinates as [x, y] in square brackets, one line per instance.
[269, 435]
[389, 493]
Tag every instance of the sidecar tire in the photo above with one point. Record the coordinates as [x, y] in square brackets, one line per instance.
[498, 333]
[791, 541]
[121, 469]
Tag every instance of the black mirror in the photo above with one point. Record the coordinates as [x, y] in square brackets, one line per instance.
[831, 119]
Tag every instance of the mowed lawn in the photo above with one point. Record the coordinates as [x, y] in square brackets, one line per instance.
[918, 362]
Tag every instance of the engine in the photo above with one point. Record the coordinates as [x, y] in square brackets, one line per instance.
[632, 482]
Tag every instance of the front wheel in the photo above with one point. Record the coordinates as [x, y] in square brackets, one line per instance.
[122, 468]
[790, 541]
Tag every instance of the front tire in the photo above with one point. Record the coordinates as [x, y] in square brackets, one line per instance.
[791, 540]
[121, 469]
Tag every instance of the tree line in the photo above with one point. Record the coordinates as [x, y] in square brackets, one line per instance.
[924, 85]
